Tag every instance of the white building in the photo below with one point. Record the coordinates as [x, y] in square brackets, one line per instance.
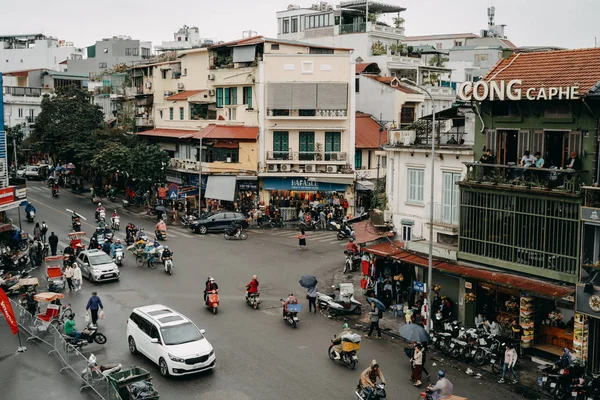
[22, 103]
[187, 37]
[35, 51]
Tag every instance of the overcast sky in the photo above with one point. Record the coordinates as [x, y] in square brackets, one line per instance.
[570, 24]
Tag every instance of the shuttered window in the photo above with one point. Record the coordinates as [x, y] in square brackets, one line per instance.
[522, 144]
[219, 98]
[247, 93]
[244, 54]
[307, 146]
[450, 196]
[280, 145]
[416, 179]
[333, 144]
[279, 96]
[491, 141]
[575, 143]
[358, 159]
[538, 143]
[304, 96]
[332, 96]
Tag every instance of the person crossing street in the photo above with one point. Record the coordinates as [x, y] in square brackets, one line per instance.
[94, 305]
[53, 242]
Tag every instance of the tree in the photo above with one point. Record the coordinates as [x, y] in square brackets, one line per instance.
[147, 164]
[112, 158]
[398, 21]
[65, 124]
[14, 135]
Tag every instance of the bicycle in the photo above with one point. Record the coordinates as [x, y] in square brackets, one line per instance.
[144, 260]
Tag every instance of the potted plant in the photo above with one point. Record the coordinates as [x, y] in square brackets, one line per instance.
[319, 151]
[378, 48]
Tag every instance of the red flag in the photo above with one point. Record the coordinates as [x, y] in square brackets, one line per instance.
[7, 310]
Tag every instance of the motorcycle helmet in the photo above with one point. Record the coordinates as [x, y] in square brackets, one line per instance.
[351, 240]
[166, 247]
[99, 204]
[441, 374]
[211, 279]
[345, 326]
[71, 316]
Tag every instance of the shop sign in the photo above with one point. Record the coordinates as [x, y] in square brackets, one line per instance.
[468, 285]
[590, 214]
[419, 286]
[175, 178]
[247, 185]
[511, 90]
[302, 185]
[20, 193]
[7, 195]
[588, 302]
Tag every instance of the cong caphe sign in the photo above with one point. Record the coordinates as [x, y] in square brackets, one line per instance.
[512, 90]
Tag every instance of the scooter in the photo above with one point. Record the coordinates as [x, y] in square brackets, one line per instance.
[160, 235]
[379, 394]
[352, 262]
[252, 299]
[90, 334]
[168, 261]
[212, 301]
[238, 234]
[344, 232]
[96, 372]
[186, 220]
[30, 216]
[115, 223]
[311, 225]
[119, 255]
[349, 306]
[348, 358]
[54, 192]
[291, 315]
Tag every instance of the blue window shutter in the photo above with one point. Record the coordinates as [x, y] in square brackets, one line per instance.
[219, 98]
[227, 96]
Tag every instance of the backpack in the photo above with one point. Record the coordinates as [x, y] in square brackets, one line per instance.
[44, 229]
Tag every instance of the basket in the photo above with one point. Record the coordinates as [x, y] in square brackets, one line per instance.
[294, 307]
[349, 346]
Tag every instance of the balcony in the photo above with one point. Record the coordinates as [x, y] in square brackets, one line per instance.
[353, 28]
[303, 114]
[445, 215]
[505, 177]
[23, 91]
[294, 157]
[370, 27]
[144, 121]
[30, 120]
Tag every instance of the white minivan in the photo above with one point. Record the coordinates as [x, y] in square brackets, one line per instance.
[170, 340]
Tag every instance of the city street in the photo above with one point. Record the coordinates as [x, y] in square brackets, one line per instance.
[258, 355]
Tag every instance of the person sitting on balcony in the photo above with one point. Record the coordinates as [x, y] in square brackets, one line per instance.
[487, 158]
[527, 160]
[539, 160]
[573, 162]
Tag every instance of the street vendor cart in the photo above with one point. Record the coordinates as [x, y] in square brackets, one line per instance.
[54, 273]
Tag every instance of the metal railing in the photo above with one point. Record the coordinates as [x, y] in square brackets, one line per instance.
[353, 28]
[306, 156]
[272, 112]
[71, 359]
[550, 179]
[23, 91]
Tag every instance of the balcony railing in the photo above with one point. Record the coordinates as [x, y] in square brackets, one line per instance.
[510, 176]
[22, 91]
[306, 113]
[444, 214]
[142, 121]
[334, 156]
[353, 28]
[386, 29]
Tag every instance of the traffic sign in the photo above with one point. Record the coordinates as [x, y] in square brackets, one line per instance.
[173, 194]
[419, 286]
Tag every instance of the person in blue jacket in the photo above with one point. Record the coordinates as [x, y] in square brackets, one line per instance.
[29, 208]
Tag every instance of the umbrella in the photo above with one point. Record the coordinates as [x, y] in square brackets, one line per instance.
[414, 333]
[70, 166]
[160, 208]
[378, 303]
[308, 281]
[59, 168]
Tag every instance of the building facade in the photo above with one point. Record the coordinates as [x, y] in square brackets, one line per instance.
[187, 37]
[35, 51]
[107, 53]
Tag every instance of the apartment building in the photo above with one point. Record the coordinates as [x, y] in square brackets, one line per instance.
[35, 51]
[108, 52]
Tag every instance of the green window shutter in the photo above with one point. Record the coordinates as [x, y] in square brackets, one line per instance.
[181, 113]
[249, 96]
[233, 96]
[227, 97]
[219, 98]
[307, 146]
[171, 113]
[333, 143]
[358, 159]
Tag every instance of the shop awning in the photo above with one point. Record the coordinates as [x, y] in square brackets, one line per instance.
[366, 232]
[386, 249]
[169, 133]
[220, 187]
[364, 186]
[341, 181]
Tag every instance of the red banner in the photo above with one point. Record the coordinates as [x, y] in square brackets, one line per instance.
[7, 195]
[7, 310]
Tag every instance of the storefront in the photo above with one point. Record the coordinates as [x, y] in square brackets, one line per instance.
[232, 193]
[247, 193]
[290, 194]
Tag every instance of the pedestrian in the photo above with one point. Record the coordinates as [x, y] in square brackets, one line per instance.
[53, 242]
[510, 359]
[32, 254]
[417, 362]
[302, 239]
[94, 304]
[424, 351]
[69, 277]
[516, 332]
[44, 231]
[311, 295]
[39, 251]
[375, 315]
[37, 231]
[77, 276]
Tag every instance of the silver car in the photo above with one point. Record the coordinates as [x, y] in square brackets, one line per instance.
[98, 266]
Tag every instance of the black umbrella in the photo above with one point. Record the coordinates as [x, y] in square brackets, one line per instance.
[160, 208]
[414, 333]
[308, 281]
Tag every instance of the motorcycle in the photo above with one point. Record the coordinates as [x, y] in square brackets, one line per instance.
[30, 216]
[311, 225]
[291, 315]
[348, 358]
[238, 233]
[54, 192]
[273, 223]
[112, 195]
[342, 307]
[100, 215]
[115, 223]
[119, 255]
[252, 299]
[160, 235]
[186, 220]
[212, 301]
[379, 394]
[168, 261]
[96, 372]
[344, 232]
[352, 261]
[90, 334]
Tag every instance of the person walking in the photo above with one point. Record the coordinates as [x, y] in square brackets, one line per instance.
[311, 295]
[39, 251]
[44, 231]
[510, 359]
[76, 276]
[94, 304]
[32, 253]
[69, 277]
[424, 351]
[374, 315]
[417, 362]
[302, 239]
[53, 242]
[37, 231]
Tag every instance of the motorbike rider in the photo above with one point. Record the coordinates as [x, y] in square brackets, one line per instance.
[99, 209]
[29, 208]
[566, 359]
[252, 287]
[107, 247]
[161, 226]
[352, 247]
[209, 287]
[140, 234]
[368, 379]
[443, 387]
[70, 330]
[115, 246]
[55, 187]
[165, 254]
[345, 228]
[291, 299]
[337, 341]
[114, 215]
[233, 228]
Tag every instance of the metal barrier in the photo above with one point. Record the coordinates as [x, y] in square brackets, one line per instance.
[72, 360]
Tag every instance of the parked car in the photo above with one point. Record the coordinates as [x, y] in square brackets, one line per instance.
[21, 172]
[38, 172]
[98, 266]
[170, 340]
[218, 222]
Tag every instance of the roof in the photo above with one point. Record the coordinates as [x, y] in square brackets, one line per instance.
[550, 69]
[261, 39]
[76, 75]
[154, 64]
[366, 232]
[388, 80]
[367, 132]
[186, 94]
[228, 132]
[385, 249]
[374, 6]
[24, 72]
[442, 36]
[361, 67]
[170, 133]
[508, 43]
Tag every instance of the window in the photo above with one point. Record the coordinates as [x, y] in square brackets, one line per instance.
[407, 116]
[358, 159]
[219, 97]
[230, 96]
[450, 198]
[314, 50]
[20, 113]
[333, 144]
[438, 46]
[274, 47]
[164, 73]
[31, 113]
[154, 333]
[406, 232]
[102, 65]
[294, 25]
[281, 113]
[458, 43]
[185, 71]
[307, 113]
[481, 57]
[222, 154]
[278, 26]
[280, 145]
[415, 185]
[128, 52]
[171, 113]
[145, 52]
[557, 109]
[181, 114]
[136, 51]
[247, 93]
[392, 174]
[286, 26]
[505, 109]
[232, 114]
[307, 146]
[307, 67]
[357, 85]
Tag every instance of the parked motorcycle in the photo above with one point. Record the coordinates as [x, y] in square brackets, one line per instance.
[273, 223]
[311, 225]
[30, 216]
[291, 315]
[349, 305]
[252, 299]
[90, 334]
[379, 394]
[352, 262]
[186, 220]
[235, 233]
[212, 301]
[96, 372]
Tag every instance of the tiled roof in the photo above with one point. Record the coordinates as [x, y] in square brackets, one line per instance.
[387, 80]
[365, 232]
[229, 132]
[186, 94]
[169, 133]
[367, 132]
[362, 66]
[550, 69]
[468, 35]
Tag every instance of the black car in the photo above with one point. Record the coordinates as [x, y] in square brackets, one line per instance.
[218, 222]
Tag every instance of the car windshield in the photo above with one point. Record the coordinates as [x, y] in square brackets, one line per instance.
[180, 334]
[100, 259]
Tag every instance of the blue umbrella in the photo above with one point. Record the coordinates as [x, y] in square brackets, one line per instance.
[59, 168]
[378, 303]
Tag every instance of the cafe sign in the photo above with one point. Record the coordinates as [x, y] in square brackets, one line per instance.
[511, 90]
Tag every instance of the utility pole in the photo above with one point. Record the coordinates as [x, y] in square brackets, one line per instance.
[200, 180]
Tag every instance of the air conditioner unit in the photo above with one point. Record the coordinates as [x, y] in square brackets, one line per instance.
[211, 77]
[331, 168]
[179, 85]
[286, 168]
[310, 168]
[148, 85]
[272, 168]
[408, 137]
[211, 92]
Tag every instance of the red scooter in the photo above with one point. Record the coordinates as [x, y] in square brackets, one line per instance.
[212, 300]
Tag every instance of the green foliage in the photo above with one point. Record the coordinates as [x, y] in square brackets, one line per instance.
[398, 21]
[15, 133]
[148, 163]
[378, 196]
[374, 16]
[438, 60]
[378, 49]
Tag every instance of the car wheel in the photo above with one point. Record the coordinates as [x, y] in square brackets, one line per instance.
[202, 230]
[164, 368]
[132, 347]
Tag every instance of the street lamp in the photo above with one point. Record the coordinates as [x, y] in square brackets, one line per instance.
[430, 263]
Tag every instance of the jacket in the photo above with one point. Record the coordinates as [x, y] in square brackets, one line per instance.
[77, 273]
[338, 338]
[417, 357]
[53, 240]
[374, 315]
[312, 291]
[94, 303]
[369, 377]
[252, 287]
[443, 388]
[510, 357]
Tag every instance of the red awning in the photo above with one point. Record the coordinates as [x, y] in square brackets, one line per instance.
[366, 232]
[169, 133]
[229, 132]
[225, 145]
[386, 249]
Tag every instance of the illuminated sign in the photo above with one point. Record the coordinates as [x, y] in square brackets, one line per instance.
[511, 90]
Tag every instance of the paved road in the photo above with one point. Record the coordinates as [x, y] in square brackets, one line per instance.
[258, 355]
